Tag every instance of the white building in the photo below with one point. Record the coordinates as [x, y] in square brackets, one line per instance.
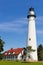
[32, 33]
[13, 54]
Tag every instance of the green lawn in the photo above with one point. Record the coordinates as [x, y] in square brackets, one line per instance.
[20, 63]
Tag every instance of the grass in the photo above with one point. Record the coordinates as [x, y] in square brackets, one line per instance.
[19, 63]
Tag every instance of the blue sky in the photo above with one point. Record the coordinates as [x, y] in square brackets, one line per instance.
[13, 22]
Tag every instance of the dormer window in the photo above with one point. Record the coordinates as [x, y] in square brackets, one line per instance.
[9, 53]
[5, 53]
[13, 52]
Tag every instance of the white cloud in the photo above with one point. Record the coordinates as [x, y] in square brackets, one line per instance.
[39, 20]
[40, 31]
[39, 17]
[19, 25]
[15, 26]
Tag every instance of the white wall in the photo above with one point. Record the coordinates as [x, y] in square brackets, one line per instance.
[20, 56]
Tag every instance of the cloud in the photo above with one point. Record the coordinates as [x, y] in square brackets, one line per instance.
[14, 26]
[20, 25]
[39, 19]
[40, 31]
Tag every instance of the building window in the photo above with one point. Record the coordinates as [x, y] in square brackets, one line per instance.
[29, 38]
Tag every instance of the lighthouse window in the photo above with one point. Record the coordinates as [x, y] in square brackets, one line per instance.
[29, 38]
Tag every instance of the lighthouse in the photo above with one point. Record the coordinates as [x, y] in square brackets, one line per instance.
[32, 33]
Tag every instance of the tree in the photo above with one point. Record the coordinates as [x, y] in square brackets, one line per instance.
[1, 47]
[26, 53]
[40, 52]
[29, 50]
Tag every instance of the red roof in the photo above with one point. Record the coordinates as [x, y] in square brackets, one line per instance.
[13, 51]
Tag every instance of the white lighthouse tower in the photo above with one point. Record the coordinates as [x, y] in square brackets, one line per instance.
[32, 33]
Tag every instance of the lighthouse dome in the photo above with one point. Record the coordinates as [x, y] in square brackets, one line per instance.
[31, 13]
